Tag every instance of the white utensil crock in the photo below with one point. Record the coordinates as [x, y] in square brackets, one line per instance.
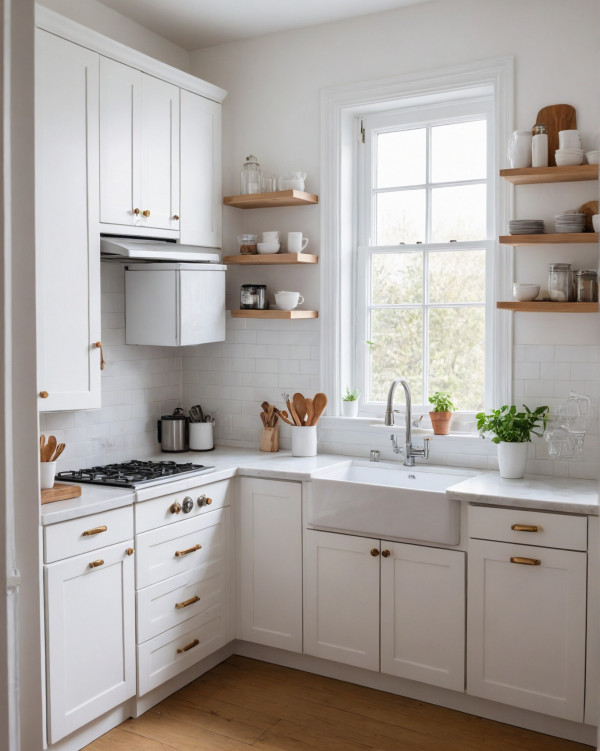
[304, 440]
[201, 436]
[512, 459]
[47, 472]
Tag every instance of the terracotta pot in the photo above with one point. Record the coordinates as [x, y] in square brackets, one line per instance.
[440, 422]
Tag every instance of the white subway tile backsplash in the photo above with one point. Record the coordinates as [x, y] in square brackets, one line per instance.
[538, 352]
[527, 370]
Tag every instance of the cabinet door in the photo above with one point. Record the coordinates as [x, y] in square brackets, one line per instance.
[270, 563]
[526, 626]
[159, 153]
[423, 614]
[67, 233]
[200, 164]
[341, 598]
[90, 637]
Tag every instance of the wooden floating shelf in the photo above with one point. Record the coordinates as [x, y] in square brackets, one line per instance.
[271, 259]
[549, 307]
[533, 175]
[271, 200]
[564, 238]
[274, 314]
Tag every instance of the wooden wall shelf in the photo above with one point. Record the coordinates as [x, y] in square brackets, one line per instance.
[272, 200]
[565, 238]
[271, 259]
[289, 314]
[549, 307]
[533, 175]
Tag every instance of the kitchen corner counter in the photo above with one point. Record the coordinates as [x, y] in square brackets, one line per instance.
[562, 494]
[93, 500]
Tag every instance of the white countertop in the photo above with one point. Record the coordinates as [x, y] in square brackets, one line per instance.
[533, 491]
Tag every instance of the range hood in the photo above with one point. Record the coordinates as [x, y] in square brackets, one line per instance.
[154, 250]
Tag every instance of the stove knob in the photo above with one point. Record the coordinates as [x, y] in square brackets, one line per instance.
[204, 501]
[175, 508]
[188, 504]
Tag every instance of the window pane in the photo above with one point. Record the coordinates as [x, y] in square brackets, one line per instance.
[397, 278]
[457, 276]
[458, 213]
[458, 152]
[398, 351]
[400, 217]
[401, 158]
[457, 355]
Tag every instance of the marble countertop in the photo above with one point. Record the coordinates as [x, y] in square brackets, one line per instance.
[533, 491]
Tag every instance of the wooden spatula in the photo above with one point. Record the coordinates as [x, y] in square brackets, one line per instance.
[319, 403]
[310, 411]
[49, 449]
[299, 404]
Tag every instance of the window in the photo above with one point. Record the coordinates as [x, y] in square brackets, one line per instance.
[424, 253]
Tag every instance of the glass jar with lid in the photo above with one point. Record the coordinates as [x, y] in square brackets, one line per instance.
[251, 177]
[253, 297]
[560, 282]
[586, 285]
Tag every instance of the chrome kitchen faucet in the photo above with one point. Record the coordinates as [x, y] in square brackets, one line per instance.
[409, 451]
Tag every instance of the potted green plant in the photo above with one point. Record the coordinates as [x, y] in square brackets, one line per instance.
[512, 432]
[350, 403]
[441, 415]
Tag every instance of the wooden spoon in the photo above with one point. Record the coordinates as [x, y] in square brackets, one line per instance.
[42, 443]
[299, 404]
[310, 411]
[319, 403]
[292, 411]
[263, 417]
[59, 449]
[49, 449]
[284, 416]
[270, 415]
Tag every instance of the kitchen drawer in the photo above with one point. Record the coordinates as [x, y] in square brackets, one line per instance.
[87, 533]
[159, 659]
[171, 550]
[157, 512]
[545, 529]
[173, 601]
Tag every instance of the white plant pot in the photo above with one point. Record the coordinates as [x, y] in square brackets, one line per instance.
[350, 409]
[512, 459]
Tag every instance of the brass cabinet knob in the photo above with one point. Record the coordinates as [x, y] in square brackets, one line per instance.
[146, 212]
[130, 551]
[44, 394]
[136, 212]
[176, 217]
[385, 553]
[374, 552]
[175, 507]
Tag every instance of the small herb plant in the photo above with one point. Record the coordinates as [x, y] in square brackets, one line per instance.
[441, 402]
[510, 426]
[351, 396]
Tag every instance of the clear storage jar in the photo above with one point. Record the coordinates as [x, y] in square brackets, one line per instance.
[560, 282]
[251, 176]
[586, 285]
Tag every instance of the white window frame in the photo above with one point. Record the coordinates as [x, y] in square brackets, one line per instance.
[341, 109]
[414, 117]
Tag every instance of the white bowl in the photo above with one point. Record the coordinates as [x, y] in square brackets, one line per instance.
[268, 247]
[593, 157]
[596, 222]
[525, 292]
[568, 160]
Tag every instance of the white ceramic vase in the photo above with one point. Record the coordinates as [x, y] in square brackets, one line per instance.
[512, 459]
[350, 408]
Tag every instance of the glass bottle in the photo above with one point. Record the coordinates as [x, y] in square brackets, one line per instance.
[560, 282]
[251, 177]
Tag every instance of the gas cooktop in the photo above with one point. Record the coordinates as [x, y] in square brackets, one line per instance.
[134, 473]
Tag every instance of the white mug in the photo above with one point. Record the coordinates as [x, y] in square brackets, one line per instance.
[569, 139]
[295, 242]
[270, 237]
[288, 300]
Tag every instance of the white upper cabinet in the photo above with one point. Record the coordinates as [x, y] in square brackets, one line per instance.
[201, 210]
[67, 231]
[139, 152]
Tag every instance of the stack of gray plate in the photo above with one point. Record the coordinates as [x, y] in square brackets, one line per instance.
[569, 222]
[526, 226]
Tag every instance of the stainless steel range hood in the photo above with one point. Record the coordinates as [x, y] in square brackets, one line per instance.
[154, 250]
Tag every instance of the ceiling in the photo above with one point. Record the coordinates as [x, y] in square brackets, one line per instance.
[193, 24]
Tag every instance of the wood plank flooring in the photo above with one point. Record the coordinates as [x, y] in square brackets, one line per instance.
[245, 703]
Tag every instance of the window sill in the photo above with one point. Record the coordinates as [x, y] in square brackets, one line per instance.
[371, 423]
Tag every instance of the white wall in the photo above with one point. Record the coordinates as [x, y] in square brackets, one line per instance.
[273, 111]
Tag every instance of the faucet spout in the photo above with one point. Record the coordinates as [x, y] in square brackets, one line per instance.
[409, 451]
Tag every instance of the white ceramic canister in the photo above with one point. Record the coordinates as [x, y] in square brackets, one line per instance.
[539, 147]
[47, 472]
[519, 149]
[304, 440]
[201, 436]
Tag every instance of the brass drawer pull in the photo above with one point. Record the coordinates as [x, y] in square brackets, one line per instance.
[526, 561]
[191, 645]
[185, 603]
[94, 531]
[146, 212]
[374, 552]
[179, 553]
[95, 564]
[385, 553]
[130, 551]
[525, 528]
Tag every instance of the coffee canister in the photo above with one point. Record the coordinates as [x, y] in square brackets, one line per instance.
[253, 297]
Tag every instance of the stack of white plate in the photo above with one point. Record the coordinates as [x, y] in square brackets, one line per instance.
[569, 222]
[526, 226]
[568, 157]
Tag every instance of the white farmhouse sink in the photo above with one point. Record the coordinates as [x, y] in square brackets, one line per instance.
[387, 501]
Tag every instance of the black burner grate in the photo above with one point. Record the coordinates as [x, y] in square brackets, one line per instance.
[133, 473]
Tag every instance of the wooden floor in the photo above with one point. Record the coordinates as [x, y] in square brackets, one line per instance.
[244, 703]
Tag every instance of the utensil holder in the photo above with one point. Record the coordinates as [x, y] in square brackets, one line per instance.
[201, 436]
[47, 472]
[304, 440]
[269, 439]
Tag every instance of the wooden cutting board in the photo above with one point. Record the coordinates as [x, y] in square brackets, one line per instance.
[589, 209]
[60, 492]
[556, 117]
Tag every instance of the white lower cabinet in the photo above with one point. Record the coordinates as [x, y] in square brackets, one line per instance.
[526, 624]
[355, 586]
[270, 563]
[90, 636]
